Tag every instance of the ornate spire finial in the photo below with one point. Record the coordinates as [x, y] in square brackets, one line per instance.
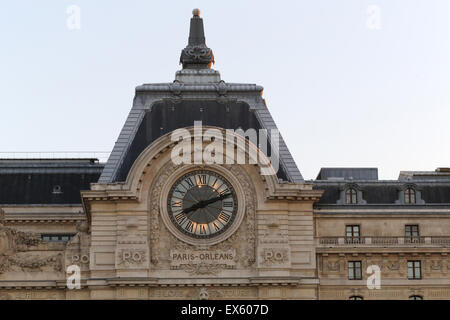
[196, 55]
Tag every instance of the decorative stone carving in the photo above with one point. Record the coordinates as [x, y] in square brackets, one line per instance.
[23, 251]
[154, 219]
[435, 265]
[77, 249]
[31, 262]
[12, 241]
[393, 265]
[334, 266]
[203, 295]
[274, 257]
[250, 214]
[199, 293]
[131, 258]
[243, 239]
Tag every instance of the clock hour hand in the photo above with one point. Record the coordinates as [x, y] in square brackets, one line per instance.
[191, 208]
[204, 203]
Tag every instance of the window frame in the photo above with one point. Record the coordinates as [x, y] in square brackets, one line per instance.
[414, 269]
[353, 193]
[411, 238]
[59, 235]
[352, 238]
[354, 275]
[410, 196]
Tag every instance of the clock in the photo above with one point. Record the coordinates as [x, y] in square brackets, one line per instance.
[202, 204]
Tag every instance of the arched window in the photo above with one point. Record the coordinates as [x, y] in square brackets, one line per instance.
[351, 196]
[415, 297]
[356, 298]
[410, 195]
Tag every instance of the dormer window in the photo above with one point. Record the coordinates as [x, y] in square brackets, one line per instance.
[410, 196]
[351, 196]
[57, 189]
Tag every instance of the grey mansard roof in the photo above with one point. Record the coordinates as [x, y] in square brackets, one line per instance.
[46, 181]
[196, 94]
[433, 187]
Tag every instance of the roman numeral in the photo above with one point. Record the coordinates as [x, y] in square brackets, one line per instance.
[189, 182]
[180, 217]
[202, 228]
[214, 183]
[201, 179]
[226, 190]
[180, 192]
[228, 204]
[189, 226]
[216, 226]
[176, 203]
[224, 217]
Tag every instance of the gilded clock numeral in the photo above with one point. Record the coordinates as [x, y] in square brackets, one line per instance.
[224, 191]
[202, 179]
[176, 203]
[202, 228]
[224, 217]
[189, 226]
[180, 217]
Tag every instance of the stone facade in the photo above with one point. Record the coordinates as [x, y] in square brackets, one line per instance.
[290, 237]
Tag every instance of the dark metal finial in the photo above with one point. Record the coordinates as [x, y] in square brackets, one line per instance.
[196, 55]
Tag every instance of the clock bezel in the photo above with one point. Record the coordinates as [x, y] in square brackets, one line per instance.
[215, 238]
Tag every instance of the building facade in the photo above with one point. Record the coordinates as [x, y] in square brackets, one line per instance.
[201, 199]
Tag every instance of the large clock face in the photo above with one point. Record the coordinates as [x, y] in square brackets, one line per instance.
[202, 204]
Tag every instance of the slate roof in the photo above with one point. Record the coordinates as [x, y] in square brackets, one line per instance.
[348, 173]
[385, 192]
[196, 94]
[46, 181]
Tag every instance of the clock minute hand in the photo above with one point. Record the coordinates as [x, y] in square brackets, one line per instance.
[204, 203]
[223, 196]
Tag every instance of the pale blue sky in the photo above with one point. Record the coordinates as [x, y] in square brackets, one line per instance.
[342, 94]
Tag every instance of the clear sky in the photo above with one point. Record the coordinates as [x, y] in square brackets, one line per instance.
[349, 82]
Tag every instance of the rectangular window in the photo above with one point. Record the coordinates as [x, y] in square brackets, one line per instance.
[354, 270]
[414, 270]
[412, 233]
[352, 234]
[56, 237]
[352, 231]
